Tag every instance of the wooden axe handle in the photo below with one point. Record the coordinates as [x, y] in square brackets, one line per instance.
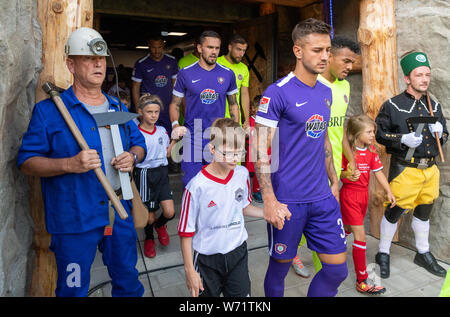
[48, 88]
[436, 135]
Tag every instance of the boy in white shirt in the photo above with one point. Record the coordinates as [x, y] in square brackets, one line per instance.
[151, 175]
[212, 218]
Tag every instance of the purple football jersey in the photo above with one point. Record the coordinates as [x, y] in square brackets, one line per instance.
[205, 94]
[156, 79]
[301, 114]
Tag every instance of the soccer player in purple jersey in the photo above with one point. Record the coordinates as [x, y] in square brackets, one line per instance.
[297, 108]
[206, 86]
[155, 74]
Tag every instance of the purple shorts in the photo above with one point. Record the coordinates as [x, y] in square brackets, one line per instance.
[319, 221]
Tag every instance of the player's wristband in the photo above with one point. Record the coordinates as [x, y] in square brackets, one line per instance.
[174, 123]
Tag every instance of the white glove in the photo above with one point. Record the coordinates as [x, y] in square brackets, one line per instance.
[410, 140]
[178, 132]
[437, 127]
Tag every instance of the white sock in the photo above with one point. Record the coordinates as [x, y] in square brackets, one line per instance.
[387, 231]
[421, 230]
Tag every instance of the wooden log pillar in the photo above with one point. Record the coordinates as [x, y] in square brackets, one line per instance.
[58, 18]
[377, 37]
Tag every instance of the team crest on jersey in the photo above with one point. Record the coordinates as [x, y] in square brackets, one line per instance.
[315, 126]
[239, 194]
[208, 96]
[328, 103]
[168, 66]
[240, 77]
[345, 98]
[220, 80]
[264, 104]
[160, 140]
[160, 81]
[280, 248]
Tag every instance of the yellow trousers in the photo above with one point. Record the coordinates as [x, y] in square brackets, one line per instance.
[413, 187]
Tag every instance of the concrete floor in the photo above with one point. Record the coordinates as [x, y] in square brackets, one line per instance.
[166, 273]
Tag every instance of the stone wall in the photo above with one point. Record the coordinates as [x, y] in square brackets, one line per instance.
[424, 25]
[421, 25]
[20, 63]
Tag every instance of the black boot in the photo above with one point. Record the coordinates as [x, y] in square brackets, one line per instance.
[382, 260]
[428, 261]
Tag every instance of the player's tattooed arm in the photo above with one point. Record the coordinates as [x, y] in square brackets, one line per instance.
[262, 166]
[234, 107]
[174, 108]
[274, 211]
[329, 164]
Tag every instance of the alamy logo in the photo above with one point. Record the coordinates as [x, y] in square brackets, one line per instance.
[74, 278]
[193, 148]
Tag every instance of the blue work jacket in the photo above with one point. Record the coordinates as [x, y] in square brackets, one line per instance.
[73, 203]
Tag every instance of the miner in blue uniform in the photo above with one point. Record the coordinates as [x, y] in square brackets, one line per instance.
[77, 208]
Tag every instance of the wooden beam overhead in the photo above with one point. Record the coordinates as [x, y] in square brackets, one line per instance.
[288, 3]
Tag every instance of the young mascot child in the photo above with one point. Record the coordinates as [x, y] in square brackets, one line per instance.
[151, 175]
[354, 194]
[212, 218]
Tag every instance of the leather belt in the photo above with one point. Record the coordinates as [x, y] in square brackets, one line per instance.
[417, 162]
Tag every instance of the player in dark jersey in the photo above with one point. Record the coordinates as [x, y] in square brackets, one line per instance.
[297, 108]
[206, 86]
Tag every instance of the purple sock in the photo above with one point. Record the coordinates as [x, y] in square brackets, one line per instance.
[274, 281]
[327, 280]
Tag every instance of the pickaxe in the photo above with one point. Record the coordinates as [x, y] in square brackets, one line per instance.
[113, 119]
[251, 63]
[52, 90]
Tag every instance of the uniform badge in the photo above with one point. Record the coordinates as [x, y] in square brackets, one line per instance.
[168, 66]
[161, 81]
[208, 96]
[315, 126]
[264, 104]
[328, 102]
[220, 80]
[240, 77]
[239, 194]
[280, 248]
[421, 58]
[160, 140]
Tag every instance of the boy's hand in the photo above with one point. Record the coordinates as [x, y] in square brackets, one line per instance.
[194, 282]
[392, 199]
[273, 211]
[282, 215]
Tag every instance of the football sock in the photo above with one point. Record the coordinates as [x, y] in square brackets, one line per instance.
[149, 232]
[326, 282]
[359, 259]
[161, 221]
[274, 280]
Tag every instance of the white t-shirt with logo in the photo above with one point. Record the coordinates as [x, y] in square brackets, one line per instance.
[211, 211]
[157, 142]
